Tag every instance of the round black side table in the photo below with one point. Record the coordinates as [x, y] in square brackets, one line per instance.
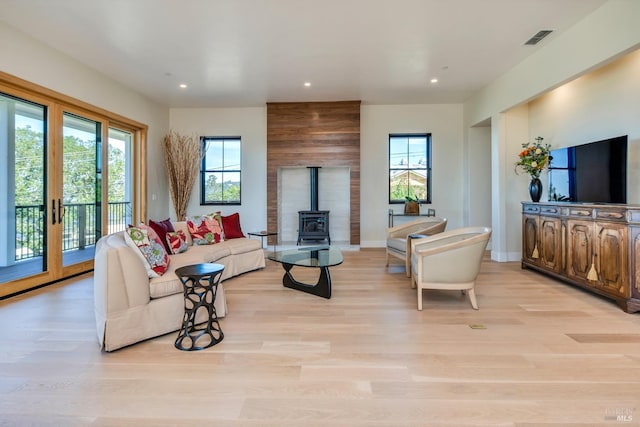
[200, 282]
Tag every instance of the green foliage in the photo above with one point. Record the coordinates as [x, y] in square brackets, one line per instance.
[227, 191]
[117, 175]
[81, 182]
[29, 172]
[402, 190]
[79, 177]
[79, 170]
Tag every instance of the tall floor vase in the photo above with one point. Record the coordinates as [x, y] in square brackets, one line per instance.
[535, 189]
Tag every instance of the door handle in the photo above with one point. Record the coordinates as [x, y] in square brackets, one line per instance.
[53, 211]
[61, 211]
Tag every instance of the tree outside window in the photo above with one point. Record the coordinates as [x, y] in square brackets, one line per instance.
[220, 173]
[409, 168]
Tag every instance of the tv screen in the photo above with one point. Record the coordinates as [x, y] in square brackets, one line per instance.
[595, 172]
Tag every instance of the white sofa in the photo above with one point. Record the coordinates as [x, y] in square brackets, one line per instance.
[130, 307]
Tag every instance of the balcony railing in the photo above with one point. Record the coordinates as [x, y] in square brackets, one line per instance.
[78, 227]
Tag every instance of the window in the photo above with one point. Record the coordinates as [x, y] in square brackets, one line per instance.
[409, 167]
[220, 171]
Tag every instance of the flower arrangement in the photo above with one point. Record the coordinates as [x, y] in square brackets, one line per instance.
[534, 158]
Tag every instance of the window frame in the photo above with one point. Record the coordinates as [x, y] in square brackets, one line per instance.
[205, 141]
[427, 168]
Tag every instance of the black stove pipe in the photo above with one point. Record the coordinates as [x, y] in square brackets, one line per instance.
[313, 181]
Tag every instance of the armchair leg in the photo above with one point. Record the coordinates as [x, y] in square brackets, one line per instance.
[387, 259]
[419, 298]
[472, 298]
[407, 267]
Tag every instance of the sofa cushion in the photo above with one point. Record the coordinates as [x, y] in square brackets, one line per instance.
[240, 246]
[147, 246]
[204, 229]
[231, 226]
[169, 284]
[212, 253]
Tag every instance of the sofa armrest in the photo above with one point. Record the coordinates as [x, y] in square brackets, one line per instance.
[120, 279]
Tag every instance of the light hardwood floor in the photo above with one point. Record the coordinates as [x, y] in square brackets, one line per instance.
[550, 355]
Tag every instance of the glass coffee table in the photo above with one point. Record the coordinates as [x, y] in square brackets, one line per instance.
[321, 257]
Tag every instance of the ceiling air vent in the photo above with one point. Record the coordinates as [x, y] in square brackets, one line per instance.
[537, 37]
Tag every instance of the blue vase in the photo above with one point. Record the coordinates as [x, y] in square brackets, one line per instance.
[535, 189]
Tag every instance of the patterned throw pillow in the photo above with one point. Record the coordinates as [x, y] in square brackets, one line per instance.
[204, 230]
[177, 242]
[149, 248]
[218, 217]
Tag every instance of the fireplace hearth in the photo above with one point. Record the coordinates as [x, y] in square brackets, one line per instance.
[314, 223]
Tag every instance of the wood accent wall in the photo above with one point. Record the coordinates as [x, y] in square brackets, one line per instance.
[314, 134]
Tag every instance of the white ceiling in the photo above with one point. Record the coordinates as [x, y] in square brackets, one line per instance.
[248, 52]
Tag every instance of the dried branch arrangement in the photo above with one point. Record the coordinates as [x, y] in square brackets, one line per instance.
[182, 155]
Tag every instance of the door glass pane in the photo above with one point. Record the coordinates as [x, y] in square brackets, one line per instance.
[81, 174]
[22, 189]
[120, 181]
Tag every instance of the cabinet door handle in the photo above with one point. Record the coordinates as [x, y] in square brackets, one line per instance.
[53, 211]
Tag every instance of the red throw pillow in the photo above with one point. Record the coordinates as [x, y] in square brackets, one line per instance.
[231, 226]
[162, 228]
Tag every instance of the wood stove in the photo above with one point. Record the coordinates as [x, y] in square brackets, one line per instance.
[313, 224]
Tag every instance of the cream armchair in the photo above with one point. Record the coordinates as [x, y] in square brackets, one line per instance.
[449, 260]
[399, 242]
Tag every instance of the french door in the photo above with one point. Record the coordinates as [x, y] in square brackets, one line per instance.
[66, 179]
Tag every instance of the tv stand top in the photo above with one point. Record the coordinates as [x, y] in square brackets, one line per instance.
[616, 212]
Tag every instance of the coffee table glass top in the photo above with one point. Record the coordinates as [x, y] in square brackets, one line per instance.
[314, 256]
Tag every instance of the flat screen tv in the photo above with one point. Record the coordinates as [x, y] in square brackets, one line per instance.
[591, 173]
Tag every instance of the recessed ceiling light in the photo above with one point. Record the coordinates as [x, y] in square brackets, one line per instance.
[307, 84]
[183, 86]
[434, 80]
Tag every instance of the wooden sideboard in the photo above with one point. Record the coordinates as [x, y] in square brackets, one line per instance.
[594, 246]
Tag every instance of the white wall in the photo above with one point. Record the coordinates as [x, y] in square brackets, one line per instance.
[30, 60]
[511, 132]
[444, 122]
[250, 124]
[608, 33]
[597, 106]
[479, 176]
[333, 195]
[376, 123]
[602, 104]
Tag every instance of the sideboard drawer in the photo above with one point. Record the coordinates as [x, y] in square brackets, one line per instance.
[553, 210]
[610, 215]
[581, 212]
